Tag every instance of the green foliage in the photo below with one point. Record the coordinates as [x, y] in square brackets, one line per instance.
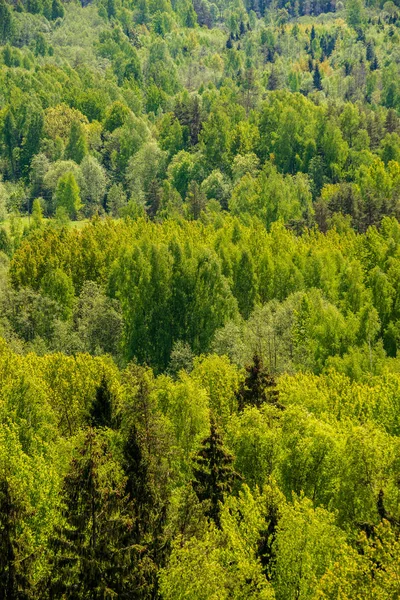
[213, 474]
[231, 307]
[68, 194]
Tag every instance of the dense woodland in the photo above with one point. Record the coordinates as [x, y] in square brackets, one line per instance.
[199, 300]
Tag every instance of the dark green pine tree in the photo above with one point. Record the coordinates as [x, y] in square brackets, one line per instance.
[258, 387]
[57, 10]
[149, 517]
[213, 473]
[93, 551]
[101, 412]
[266, 546]
[14, 558]
[111, 9]
[317, 79]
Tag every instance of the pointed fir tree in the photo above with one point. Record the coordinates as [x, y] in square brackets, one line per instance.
[102, 409]
[213, 473]
[57, 10]
[146, 532]
[266, 547]
[138, 486]
[317, 79]
[14, 558]
[93, 551]
[258, 387]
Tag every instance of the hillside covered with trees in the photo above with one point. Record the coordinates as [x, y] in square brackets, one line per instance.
[199, 300]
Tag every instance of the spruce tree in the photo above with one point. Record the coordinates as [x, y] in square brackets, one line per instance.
[258, 387]
[213, 473]
[93, 551]
[101, 409]
[14, 558]
[57, 10]
[266, 550]
[138, 485]
[146, 532]
[317, 79]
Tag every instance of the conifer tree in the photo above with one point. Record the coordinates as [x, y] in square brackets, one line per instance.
[266, 548]
[57, 10]
[258, 387]
[14, 564]
[317, 80]
[94, 555]
[145, 506]
[213, 473]
[101, 409]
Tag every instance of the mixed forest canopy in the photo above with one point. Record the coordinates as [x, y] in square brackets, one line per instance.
[199, 300]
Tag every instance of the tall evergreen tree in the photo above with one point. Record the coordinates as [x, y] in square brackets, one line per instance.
[213, 473]
[258, 387]
[14, 562]
[93, 551]
[102, 409]
[317, 79]
[146, 506]
[57, 10]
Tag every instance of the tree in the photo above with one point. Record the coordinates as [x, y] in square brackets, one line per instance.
[57, 10]
[317, 80]
[93, 186]
[258, 387]
[101, 411]
[76, 148]
[37, 214]
[213, 473]
[93, 553]
[58, 286]
[31, 141]
[15, 583]
[6, 23]
[354, 13]
[10, 138]
[68, 194]
[245, 284]
[146, 509]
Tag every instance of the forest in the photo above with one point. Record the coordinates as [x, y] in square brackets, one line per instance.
[199, 300]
